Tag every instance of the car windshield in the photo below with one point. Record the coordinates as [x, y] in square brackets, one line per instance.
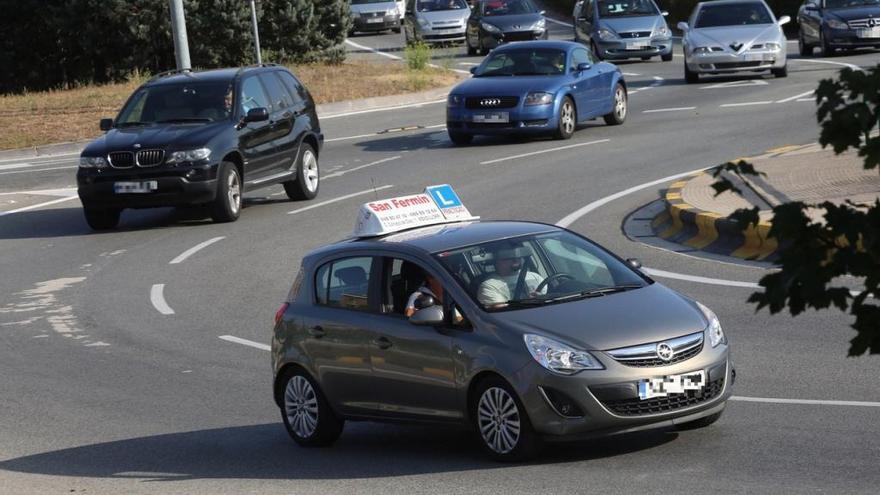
[181, 103]
[523, 62]
[623, 8]
[842, 4]
[537, 270]
[438, 5]
[740, 14]
[507, 7]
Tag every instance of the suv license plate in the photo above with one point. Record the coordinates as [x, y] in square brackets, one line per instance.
[375, 20]
[671, 384]
[492, 118]
[135, 187]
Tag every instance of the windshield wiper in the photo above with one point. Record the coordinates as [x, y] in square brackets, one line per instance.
[182, 120]
[593, 293]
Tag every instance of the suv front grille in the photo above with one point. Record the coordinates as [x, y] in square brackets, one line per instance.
[150, 158]
[121, 159]
[646, 355]
[491, 102]
[638, 407]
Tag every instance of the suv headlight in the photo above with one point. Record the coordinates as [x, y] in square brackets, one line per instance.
[189, 156]
[490, 27]
[558, 357]
[538, 98]
[835, 24]
[92, 162]
[454, 100]
[713, 332]
[663, 32]
[607, 34]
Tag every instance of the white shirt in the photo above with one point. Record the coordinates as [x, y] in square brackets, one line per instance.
[499, 290]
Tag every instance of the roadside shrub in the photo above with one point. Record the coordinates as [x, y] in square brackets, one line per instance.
[418, 55]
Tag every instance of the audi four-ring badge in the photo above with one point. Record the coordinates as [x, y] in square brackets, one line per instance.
[524, 333]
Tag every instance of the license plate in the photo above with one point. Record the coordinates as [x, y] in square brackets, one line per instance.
[492, 118]
[672, 384]
[869, 33]
[375, 20]
[135, 187]
[637, 45]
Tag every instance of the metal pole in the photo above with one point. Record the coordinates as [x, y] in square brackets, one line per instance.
[178, 32]
[256, 31]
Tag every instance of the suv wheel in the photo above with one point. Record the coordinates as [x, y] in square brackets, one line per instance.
[227, 206]
[102, 218]
[307, 181]
[306, 413]
[502, 424]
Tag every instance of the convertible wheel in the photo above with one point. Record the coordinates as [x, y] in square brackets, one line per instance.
[306, 413]
[618, 114]
[502, 422]
[567, 119]
[460, 138]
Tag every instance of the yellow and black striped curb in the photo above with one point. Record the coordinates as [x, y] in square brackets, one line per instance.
[709, 231]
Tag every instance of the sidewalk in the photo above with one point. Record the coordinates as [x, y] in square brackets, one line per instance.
[695, 217]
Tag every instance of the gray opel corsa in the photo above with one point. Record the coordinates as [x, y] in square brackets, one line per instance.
[524, 332]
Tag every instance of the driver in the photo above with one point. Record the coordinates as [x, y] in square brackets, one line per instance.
[501, 286]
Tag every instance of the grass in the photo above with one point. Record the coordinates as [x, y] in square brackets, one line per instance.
[34, 119]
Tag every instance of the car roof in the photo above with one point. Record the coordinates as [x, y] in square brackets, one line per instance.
[729, 2]
[553, 44]
[213, 75]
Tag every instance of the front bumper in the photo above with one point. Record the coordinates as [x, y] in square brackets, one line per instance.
[441, 35]
[724, 62]
[364, 24]
[178, 186]
[620, 49]
[608, 399]
[537, 119]
[492, 40]
[848, 38]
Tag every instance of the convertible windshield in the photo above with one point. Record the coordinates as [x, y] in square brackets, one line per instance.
[842, 4]
[524, 62]
[507, 7]
[181, 103]
[740, 14]
[623, 8]
[538, 269]
[439, 5]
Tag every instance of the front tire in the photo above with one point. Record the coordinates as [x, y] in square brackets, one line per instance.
[621, 107]
[782, 72]
[596, 50]
[690, 77]
[460, 138]
[803, 48]
[827, 49]
[502, 422]
[306, 413]
[227, 206]
[102, 218]
[667, 57]
[307, 181]
[567, 119]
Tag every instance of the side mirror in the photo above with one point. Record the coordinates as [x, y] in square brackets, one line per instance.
[425, 301]
[583, 66]
[257, 115]
[683, 26]
[783, 20]
[473, 70]
[106, 124]
[543, 12]
[432, 316]
[664, 13]
[634, 262]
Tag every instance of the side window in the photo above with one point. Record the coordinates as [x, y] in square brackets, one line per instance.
[580, 56]
[252, 95]
[278, 94]
[344, 283]
[402, 280]
[293, 86]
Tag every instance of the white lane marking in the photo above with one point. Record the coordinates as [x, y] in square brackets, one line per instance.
[65, 191]
[193, 250]
[30, 171]
[382, 109]
[15, 165]
[249, 343]
[554, 21]
[346, 138]
[806, 99]
[737, 84]
[533, 153]
[44, 157]
[631, 74]
[796, 97]
[347, 171]
[745, 104]
[702, 280]
[773, 400]
[158, 299]
[468, 64]
[38, 205]
[830, 62]
[336, 200]
[679, 109]
[395, 57]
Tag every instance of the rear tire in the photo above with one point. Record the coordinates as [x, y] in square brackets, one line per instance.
[460, 138]
[621, 107]
[690, 77]
[502, 423]
[305, 412]
[227, 206]
[667, 57]
[308, 179]
[783, 72]
[102, 218]
[567, 119]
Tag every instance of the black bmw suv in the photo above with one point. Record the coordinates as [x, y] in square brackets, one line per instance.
[203, 138]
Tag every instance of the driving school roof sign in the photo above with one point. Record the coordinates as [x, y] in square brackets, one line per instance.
[438, 204]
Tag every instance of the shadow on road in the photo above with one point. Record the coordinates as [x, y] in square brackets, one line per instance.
[265, 452]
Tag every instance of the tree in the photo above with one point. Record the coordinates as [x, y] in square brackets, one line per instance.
[305, 30]
[815, 255]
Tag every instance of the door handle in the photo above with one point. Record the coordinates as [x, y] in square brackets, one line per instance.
[382, 343]
[316, 332]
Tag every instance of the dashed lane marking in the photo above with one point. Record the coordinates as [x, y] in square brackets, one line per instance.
[371, 164]
[193, 250]
[382, 109]
[679, 109]
[797, 97]
[157, 297]
[745, 104]
[336, 200]
[773, 400]
[38, 205]
[541, 152]
[34, 170]
[249, 343]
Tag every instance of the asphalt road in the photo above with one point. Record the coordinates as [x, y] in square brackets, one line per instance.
[114, 377]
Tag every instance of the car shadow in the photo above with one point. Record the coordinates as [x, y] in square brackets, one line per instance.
[265, 452]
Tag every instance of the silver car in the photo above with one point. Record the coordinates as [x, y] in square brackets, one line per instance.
[435, 21]
[729, 36]
[374, 15]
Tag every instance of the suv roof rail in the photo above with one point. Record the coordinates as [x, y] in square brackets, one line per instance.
[169, 73]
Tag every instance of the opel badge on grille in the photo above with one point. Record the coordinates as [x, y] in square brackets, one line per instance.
[664, 352]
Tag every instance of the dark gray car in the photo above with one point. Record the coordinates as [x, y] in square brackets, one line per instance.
[523, 331]
[493, 22]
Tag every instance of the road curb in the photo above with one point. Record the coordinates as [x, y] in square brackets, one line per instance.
[709, 231]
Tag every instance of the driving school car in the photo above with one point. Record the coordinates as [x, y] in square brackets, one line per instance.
[532, 333]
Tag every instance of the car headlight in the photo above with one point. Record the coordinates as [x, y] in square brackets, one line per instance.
[424, 22]
[454, 100]
[539, 98]
[663, 32]
[490, 27]
[558, 357]
[713, 331]
[835, 24]
[540, 25]
[772, 46]
[92, 162]
[702, 50]
[189, 155]
[607, 34]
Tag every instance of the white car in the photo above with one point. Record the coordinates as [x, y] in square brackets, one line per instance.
[728, 36]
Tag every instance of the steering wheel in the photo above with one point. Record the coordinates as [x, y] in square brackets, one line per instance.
[556, 276]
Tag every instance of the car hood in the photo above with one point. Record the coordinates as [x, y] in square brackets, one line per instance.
[622, 319]
[508, 23]
[374, 7]
[853, 13]
[633, 23]
[726, 35]
[445, 15]
[507, 86]
[164, 136]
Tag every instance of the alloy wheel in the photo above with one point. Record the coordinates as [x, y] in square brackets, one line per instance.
[567, 118]
[301, 406]
[620, 103]
[498, 420]
[234, 192]
[310, 170]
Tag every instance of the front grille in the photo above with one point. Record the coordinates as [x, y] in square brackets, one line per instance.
[635, 34]
[491, 102]
[150, 158]
[121, 159]
[863, 23]
[740, 65]
[648, 355]
[677, 358]
[519, 36]
[638, 407]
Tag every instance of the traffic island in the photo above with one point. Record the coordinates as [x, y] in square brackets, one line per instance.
[695, 217]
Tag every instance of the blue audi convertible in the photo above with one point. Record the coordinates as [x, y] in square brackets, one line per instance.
[535, 87]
